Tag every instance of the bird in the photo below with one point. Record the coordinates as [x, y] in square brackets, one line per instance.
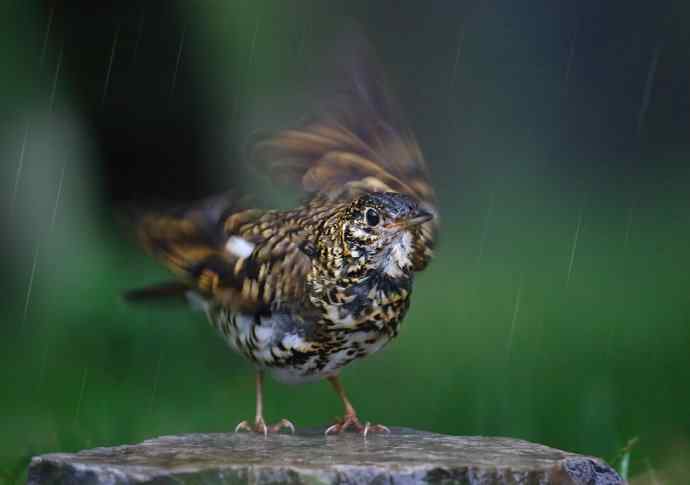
[303, 292]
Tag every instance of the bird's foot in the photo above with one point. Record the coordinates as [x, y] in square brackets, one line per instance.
[260, 426]
[351, 421]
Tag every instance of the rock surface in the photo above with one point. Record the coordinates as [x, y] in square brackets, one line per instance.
[404, 456]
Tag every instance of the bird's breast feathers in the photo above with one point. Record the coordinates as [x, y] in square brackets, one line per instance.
[291, 349]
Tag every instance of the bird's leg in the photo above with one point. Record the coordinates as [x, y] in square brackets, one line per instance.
[350, 419]
[259, 423]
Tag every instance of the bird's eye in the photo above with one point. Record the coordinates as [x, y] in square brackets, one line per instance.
[372, 216]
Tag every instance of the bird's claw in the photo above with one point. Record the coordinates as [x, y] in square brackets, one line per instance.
[261, 427]
[374, 428]
[283, 423]
[352, 421]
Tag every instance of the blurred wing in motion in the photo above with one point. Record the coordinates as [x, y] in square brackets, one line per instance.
[358, 142]
[244, 259]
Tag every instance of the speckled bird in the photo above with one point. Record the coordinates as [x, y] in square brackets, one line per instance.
[302, 293]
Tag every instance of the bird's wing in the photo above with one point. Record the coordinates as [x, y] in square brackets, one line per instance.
[357, 143]
[245, 259]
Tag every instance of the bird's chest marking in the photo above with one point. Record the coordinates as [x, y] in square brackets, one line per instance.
[377, 303]
[355, 322]
[397, 261]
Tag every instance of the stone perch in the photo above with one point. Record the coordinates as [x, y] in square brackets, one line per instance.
[405, 456]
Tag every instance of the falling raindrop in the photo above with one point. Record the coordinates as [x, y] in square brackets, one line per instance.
[84, 377]
[576, 237]
[648, 88]
[57, 199]
[458, 51]
[516, 312]
[110, 65]
[44, 49]
[177, 61]
[155, 383]
[32, 276]
[302, 41]
[573, 249]
[250, 61]
[485, 228]
[253, 44]
[55, 80]
[571, 57]
[20, 167]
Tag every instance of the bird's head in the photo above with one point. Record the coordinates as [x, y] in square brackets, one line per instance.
[379, 227]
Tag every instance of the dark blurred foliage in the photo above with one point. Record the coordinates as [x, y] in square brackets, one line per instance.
[558, 136]
[152, 115]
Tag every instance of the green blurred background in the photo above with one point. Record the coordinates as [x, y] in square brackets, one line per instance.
[557, 309]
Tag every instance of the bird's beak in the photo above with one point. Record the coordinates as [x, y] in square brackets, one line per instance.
[420, 216]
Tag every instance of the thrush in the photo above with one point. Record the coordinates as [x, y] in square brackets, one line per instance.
[302, 293]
